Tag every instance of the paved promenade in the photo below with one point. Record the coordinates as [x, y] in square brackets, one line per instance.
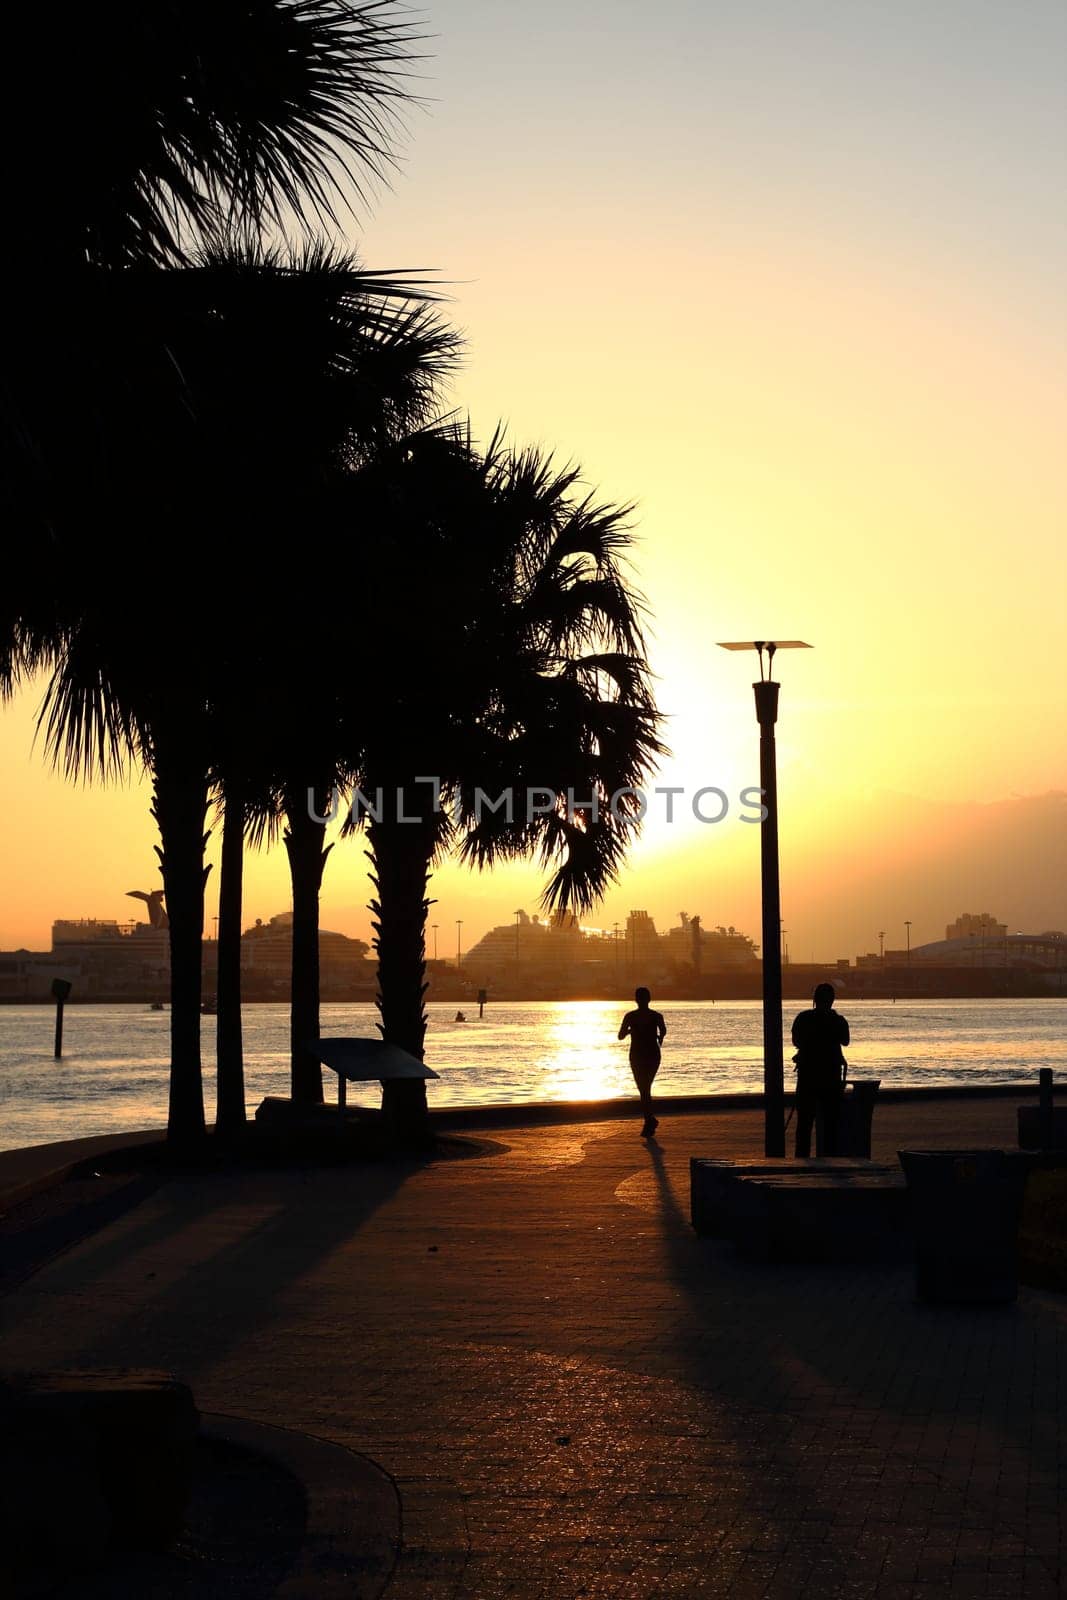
[578, 1397]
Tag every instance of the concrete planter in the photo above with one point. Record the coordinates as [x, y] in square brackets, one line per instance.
[966, 1206]
[90, 1462]
[1033, 1126]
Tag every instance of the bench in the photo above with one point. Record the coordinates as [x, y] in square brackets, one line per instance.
[827, 1216]
[712, 1181]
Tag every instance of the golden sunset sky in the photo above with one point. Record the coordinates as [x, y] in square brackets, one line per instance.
[791, 277]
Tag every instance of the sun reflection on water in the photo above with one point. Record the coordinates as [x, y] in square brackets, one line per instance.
[581, 1057]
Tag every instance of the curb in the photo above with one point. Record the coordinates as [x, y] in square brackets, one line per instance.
[518, 1114]
[12, 1194]
[352, 1536]
[536, 1113]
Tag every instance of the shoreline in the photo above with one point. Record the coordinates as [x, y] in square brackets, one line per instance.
[25, 1170]
[968, 988]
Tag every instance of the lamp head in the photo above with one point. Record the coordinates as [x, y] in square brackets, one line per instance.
[770, 645]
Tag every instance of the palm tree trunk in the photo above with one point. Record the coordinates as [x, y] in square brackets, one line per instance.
[307, 858]
[230, 1103]
[401, 854]
[180, 808]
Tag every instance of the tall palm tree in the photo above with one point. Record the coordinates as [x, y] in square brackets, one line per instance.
[229, 1038]
[288, 370]
[187, 118]
[328, 416]
[247, 808]
[516, 667]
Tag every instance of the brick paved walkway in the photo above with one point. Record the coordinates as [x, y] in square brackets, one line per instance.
[578, 1397]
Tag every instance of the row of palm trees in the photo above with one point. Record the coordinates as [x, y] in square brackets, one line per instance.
[257, 561]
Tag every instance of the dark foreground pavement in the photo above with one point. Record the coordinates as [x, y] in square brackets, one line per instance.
[578, 1397]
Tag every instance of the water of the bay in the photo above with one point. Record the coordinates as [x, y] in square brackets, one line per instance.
[114, 1070]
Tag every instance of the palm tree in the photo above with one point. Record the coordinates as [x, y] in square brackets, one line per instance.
[517, 666]
[366, 365]
[229, 1039]
[247, 808]
[364, 359]
[188, 119]
[288, 371]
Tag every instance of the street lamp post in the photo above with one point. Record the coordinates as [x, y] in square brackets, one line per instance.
[907, 936]
[766, 692]
[459, 943]
[881, 946]
[435, 928]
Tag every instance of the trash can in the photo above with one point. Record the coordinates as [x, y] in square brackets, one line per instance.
[854, 1120]
[965, 1209]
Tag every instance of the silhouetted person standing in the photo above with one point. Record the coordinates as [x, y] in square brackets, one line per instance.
[819, 1036]
[645, 1029]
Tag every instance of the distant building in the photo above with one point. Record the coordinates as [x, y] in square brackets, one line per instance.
[110, 960]
[127, 959]
[559, 953]
[267, 959]
[708, 949]
[541, 947]
[642, 940]
[1034, 952]
[28, 974]
[519, 941]
[972, 926]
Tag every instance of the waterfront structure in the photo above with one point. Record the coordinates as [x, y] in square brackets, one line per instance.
[123, 961]
[102, 959]
[558, 955]
[709, 949]
[1030, 951]
[127, 960]
[972, 926]
[267, 954]
[536, 957]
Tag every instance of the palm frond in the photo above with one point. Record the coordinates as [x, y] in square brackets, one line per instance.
[89, 729]
[188, 115]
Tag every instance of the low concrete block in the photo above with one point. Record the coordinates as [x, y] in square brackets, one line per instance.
[120, 1442]
[860, 1216]
[712, 1182]
[1031, 1134]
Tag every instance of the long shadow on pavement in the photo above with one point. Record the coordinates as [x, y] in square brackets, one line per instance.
[916, 1442]
[204, 1266]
